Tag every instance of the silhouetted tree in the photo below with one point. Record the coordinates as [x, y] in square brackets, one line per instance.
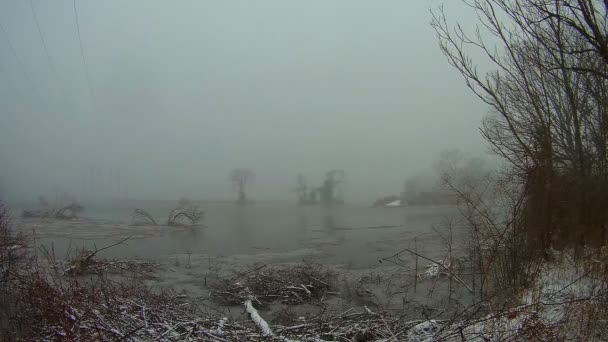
[241, 179]
[302, 189]
[312, 196]
[331, 187]
[548, 94]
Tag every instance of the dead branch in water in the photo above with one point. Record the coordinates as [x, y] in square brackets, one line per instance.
[69, 211]
[85, 263]
[65, 211]
[185, 214]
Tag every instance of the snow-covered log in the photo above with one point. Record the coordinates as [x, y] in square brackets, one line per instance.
[257, 319]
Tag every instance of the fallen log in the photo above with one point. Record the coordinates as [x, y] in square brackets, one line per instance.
[257, 319]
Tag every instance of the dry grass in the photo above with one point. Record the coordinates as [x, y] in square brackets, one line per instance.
[102, 310]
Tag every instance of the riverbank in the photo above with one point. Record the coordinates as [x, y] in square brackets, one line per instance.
[279, 295]
[61, 306]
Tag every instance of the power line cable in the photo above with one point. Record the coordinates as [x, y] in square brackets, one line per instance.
[4, 75]
[58, 80]
[46, 50]
[84, 61]
[25, 74]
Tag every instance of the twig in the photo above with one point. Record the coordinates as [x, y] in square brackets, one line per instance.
[247, 272]
[433, 261]
[124, 337]
[110, 246]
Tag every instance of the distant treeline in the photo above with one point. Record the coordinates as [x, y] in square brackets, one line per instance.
[430, 198]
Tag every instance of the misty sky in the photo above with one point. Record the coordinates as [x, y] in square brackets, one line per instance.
[181, 92]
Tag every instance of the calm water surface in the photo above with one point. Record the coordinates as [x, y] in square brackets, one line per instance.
[352, 235]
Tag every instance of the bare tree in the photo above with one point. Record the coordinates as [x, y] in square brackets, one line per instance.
[141, 216]
[186, 213]
[302, 189]
[459, 169]
[416, 184]
[548, 104]
[241, 179]
[548, 109]
[587, 18]
[332, 187]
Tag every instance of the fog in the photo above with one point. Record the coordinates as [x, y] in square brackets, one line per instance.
[179, 93]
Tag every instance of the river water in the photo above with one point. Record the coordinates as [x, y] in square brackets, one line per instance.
[357, 236]
[351, 239]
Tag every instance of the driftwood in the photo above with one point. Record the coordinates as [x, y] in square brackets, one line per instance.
[69, 211]
[113, 311]
[108, 310]
[65, 212]
[86, 263]
[257, 319]
[291, 285]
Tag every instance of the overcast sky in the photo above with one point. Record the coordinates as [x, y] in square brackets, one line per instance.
[181, 92]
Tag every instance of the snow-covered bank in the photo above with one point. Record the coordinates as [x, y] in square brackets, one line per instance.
[565, 302]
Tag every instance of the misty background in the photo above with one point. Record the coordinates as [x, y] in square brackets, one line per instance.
[179, 93]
